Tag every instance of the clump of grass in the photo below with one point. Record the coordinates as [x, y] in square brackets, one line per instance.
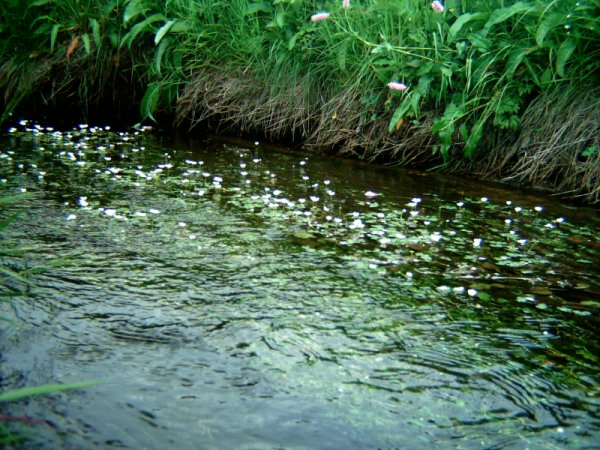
[557, 147]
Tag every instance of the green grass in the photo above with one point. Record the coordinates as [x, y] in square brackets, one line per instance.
[472, 71]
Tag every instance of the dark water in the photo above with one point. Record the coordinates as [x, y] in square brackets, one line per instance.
[231, 295]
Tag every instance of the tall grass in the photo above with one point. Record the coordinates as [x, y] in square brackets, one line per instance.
[471, 70]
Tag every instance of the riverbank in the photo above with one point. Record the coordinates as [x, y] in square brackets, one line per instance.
[503, 91]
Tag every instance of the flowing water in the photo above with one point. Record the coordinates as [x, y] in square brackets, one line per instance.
[233, 295]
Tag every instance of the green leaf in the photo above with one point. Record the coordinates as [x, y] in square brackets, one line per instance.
[160, 51]
[149, 103]
[474, 138]
[141, 27]
[503, 14]
[53, 35]
[423, 85]
[589, 151]
[341, 56]
[479, 42]
[515, 59]
[548, 24]
[86, 43]
[42, 390]
[162, 31]
[465, 19]
[292, 42]
[253, 8]
[565, 51]
[399, 113]
[134, 9]
[95, 26]
[41, 2]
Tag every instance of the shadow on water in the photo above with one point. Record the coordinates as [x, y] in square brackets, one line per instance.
[233, 295]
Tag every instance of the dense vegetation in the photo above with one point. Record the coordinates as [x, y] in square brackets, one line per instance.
[500, 89]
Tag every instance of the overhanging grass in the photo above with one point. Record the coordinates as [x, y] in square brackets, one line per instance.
[474, 73]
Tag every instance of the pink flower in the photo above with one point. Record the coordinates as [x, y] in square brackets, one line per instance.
[319, 16]
[437, 6]
[346, 4]
[395, 86]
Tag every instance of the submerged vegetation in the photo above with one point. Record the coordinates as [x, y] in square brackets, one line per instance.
[316, 302]
[501, 89]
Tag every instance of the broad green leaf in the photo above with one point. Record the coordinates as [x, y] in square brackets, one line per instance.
[515, 59]
[292, 42]
[280, 19]
[465, 19]
[481, 43]
[565, 51]
[180, 26]
[95, 26]
[423, 85]
[162, 31]
[150, 101]
[503, 14]
[399, 113]
[474, 138]
[160, 51]
[415, 102]
[110, 7]
[141, 27]
[257, 7]
[548, 24]
[42, 390]
[134, 9]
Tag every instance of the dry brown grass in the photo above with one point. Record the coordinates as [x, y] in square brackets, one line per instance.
[549, 151]
[324, 122]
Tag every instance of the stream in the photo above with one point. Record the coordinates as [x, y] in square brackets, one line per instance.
[232, 294]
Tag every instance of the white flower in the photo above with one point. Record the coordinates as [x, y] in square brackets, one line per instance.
[472, 292]
[435, 237]
[357, 224]
[71, 217]
[370, 194]
[83, 201]
[477, 242]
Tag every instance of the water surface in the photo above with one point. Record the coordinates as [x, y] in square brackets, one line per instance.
[231, 294]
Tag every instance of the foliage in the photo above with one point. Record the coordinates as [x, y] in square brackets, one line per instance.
[471, 70]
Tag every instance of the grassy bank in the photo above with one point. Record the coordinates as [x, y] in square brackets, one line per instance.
[498, 89]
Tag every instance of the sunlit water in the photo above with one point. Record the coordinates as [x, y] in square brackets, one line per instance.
[238, 296]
